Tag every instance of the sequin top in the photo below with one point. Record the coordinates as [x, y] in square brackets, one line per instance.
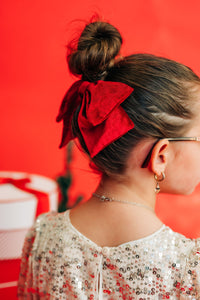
[59, 262]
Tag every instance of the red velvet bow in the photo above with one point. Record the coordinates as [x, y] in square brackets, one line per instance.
[43, 198]
[101, 119]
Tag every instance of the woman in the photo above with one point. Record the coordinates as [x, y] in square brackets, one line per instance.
[136, 117]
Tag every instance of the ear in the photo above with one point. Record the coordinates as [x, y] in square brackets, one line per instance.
[159, 157]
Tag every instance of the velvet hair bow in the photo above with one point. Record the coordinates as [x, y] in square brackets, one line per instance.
[101, 119]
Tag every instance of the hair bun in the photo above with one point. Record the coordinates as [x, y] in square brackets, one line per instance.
[97, 47]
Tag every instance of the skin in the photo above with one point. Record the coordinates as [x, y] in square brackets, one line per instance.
[112, 224]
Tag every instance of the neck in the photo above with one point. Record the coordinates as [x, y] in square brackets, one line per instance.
[139, 191]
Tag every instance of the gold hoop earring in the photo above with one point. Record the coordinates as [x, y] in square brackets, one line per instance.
[157, 188]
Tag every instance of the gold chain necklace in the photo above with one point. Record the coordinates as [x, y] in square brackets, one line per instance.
[107, 199]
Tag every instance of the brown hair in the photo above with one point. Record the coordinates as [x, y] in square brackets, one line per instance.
[160, 105]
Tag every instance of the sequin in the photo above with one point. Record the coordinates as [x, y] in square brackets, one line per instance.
[58, 262]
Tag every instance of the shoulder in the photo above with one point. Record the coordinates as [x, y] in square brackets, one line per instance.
[184, 255]
[49, 224]
[44, 229]
[42, 221]
[190, 283]
[182, 239]
[48, 219]
[45, 226]
[178, 243]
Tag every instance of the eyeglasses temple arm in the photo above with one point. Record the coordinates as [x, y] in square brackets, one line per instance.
[184, 139]
[147, 159]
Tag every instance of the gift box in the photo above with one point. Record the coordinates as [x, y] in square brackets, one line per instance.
[22, 198]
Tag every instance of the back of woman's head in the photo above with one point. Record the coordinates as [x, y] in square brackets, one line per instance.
[161, 105]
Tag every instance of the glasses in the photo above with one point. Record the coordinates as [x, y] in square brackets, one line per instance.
[176, 139]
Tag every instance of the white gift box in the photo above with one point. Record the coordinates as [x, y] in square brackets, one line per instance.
[18, 210]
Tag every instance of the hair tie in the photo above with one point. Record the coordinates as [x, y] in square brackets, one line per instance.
[101, 119]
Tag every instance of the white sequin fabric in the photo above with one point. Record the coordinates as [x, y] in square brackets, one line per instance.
[58, 262]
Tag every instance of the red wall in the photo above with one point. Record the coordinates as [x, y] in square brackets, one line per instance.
[34, 76]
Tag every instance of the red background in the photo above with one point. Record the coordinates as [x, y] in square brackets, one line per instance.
[34, 78]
